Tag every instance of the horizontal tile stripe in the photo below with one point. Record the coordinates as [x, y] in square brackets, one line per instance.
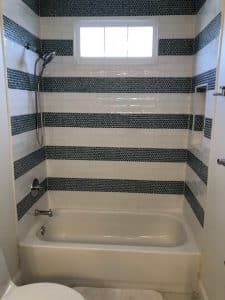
[18, 34]
[121, 137]
[198, 123]
[61, 47]
[28, 162]
[208, 34]
[208, 128]
[176, 47]
[155, 121]
[116, 154]
[191, 122]
[198, 166]
[199, 4]
[166, 47]
[24, 205]
[119, 7]
[207, 78]
[34, 5]
[115, 185]
[129, 84]
[193, 202]
[123, 170]
[21, 80]
[24, 123]
[117, 85]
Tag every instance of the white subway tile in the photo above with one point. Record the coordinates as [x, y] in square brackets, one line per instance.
[116, 170]
[115, 201]
[24, 144]
[116, 103]
[20, 13]
[197, 186]
[166, 66]
[111, 137]
[207, 13]
[18, 58]
[21, 102]
[206, 58]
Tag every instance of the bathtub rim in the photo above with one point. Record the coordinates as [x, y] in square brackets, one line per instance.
[189, 247]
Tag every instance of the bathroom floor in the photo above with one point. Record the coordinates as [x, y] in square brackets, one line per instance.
[117, 294]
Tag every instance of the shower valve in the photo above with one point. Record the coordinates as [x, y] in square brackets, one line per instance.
[36, 188]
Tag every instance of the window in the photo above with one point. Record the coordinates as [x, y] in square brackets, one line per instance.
[110, 41]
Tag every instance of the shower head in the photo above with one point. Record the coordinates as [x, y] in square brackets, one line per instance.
[47, 58]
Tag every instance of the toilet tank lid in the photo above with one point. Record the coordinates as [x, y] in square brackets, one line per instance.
[43, 291]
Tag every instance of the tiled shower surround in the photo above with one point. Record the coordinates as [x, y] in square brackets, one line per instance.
[120, 137]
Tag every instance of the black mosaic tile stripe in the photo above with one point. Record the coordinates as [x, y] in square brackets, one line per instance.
[208, 78]
[86, 120]
[208, 128]
[208, 34]
[175, 47]
[61, 47]
[24, 205]
[24, 123]
[117, 85]
[116, 185]
[28, 162]
[119, 7]
[198, 123]
[195, 205]
[34, 5]
[116, 154]
[198, 167]
[191, 122]
[199, 4]
[20, 80]
[18, 34]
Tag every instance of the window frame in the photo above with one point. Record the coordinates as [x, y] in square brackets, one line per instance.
[115, 22]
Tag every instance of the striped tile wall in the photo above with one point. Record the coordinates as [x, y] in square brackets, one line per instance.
[119, 8]
[142, 122]
[205, 49]
[122, 134]
[21, 26]
[81, 133]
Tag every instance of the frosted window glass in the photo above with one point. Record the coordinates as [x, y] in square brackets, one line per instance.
[140, 41]
[116, 41]
[92, 42]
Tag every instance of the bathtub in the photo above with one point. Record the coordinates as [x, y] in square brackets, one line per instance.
[111, 249]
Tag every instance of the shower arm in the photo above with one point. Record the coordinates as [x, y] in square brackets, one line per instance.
[34, 49]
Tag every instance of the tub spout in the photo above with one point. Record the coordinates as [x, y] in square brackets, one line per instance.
[43, 213]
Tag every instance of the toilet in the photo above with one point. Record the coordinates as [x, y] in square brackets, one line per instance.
[37, 291]
[46, 291]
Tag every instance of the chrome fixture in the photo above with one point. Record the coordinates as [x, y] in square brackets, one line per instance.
[38, 212]
[43, 230]
[46, 58]
[221, 162]
[222, 92]
[36, 188]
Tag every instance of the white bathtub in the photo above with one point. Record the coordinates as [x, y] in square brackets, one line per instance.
[113, 249]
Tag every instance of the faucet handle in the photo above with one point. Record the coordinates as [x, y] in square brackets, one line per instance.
[36, 188]
[48, 213]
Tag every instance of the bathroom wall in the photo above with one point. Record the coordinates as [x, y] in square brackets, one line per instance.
[207, 31]
[114, 138]
[21, 26]
[8, 238]
[120, 136]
